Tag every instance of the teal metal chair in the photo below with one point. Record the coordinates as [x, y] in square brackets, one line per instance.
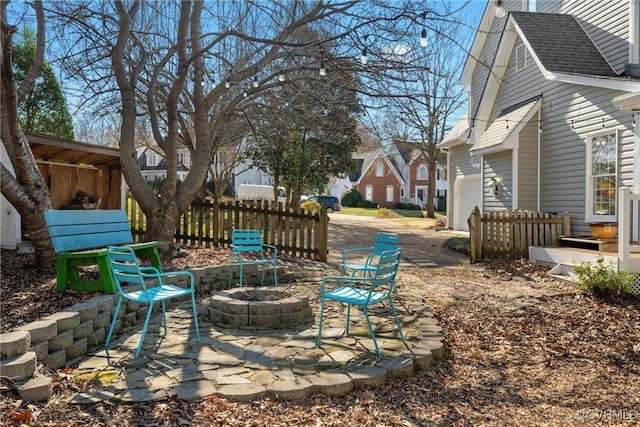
[352, 257]
[127, 271]
[364, 291]
[247, 248]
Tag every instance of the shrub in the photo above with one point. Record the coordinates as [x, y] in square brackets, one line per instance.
[458, 244]
[407, 206]
[384, 213]
[311, 205]
[351, 198]
[602, 279]
[367, 204]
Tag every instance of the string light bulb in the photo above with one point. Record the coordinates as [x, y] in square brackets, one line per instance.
[500, 12]
[323, 70]
[363, 57]
[281, 76]
[255, 79]
[227, 84]
[423, 38]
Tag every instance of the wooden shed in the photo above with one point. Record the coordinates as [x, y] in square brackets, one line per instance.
[70, 166]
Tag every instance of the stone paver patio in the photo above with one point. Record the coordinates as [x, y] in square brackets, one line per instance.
[250, 364]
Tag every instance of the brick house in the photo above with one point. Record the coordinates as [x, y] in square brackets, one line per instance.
[399, 175]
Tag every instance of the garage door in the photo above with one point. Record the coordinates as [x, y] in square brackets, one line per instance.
[466, 196]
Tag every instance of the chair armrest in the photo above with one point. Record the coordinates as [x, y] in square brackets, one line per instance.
[341, 280]
[150, 271]
[172, 274]
[272, 247]
[352, 251]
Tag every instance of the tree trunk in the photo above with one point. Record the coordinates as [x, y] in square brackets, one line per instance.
[25, 189]
[431, 190]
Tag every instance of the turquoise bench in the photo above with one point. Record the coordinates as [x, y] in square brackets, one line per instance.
[80, 238]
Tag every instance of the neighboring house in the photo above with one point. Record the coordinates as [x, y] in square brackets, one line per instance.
[153, 165]
[398, 174]
[413, 168]
[554, 112]
[246, 173]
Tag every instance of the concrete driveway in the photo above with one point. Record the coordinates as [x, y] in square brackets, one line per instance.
[420, 247]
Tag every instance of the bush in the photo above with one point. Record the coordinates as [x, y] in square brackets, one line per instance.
[351, 199]
[407, 206]
[311, 205]
[384, 213]
[602, 279]
[367, 204]
[458, 244]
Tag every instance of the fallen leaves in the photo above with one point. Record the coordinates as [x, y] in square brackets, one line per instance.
[524, 349]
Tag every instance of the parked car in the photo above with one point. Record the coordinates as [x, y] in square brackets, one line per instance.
[260, 192]
[332, 203]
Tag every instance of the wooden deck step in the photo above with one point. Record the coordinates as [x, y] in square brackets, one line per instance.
[586, 242]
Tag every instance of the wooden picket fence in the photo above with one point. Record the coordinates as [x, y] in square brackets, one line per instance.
[209, 224]
[508, 234]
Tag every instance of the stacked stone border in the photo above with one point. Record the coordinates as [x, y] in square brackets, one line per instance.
[62, 339]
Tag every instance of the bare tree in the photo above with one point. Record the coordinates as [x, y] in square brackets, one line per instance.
[427, 96]
[188, 68]
[26, 190]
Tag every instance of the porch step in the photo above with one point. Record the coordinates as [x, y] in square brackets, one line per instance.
[564, 272]
[586, 242]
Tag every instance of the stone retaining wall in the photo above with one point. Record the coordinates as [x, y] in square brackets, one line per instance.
[62, 338]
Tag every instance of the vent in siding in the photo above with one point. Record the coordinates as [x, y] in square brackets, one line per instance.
[521, 57]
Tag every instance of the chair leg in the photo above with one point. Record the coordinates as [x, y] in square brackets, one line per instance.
[373, 335]
[195, 316]
[164, 317]
[113, 322]
[144, 329]
[320, 323]
[395, 316]
[264, 270]
[275, 273]
[230, 273]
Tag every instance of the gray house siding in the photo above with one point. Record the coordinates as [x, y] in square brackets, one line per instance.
[563, 147]
[498, 165]
[528, 167]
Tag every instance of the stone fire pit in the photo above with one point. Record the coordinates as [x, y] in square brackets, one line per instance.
[258, 308]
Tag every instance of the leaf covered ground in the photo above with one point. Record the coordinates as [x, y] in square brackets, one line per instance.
[524, 350]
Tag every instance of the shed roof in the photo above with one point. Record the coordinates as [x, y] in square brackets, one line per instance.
[50, 148]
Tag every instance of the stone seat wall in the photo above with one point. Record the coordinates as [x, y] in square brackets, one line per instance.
[61, 339]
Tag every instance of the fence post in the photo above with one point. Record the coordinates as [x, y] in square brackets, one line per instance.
[322, 235]
[566, 224]
[475, 236]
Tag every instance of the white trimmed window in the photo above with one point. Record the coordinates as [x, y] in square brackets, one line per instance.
[184, 159]
[602, 172]
[422, 172]
[368, 193]
[152, 159]
[389, 193]
[379, 169]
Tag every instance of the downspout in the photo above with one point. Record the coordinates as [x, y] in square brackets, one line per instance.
[538, 165]
[447, 224]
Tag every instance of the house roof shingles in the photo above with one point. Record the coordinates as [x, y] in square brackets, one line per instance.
[561, 44]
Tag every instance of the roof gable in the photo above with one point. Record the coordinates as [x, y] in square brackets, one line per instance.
[369, 160]
[560, 44]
